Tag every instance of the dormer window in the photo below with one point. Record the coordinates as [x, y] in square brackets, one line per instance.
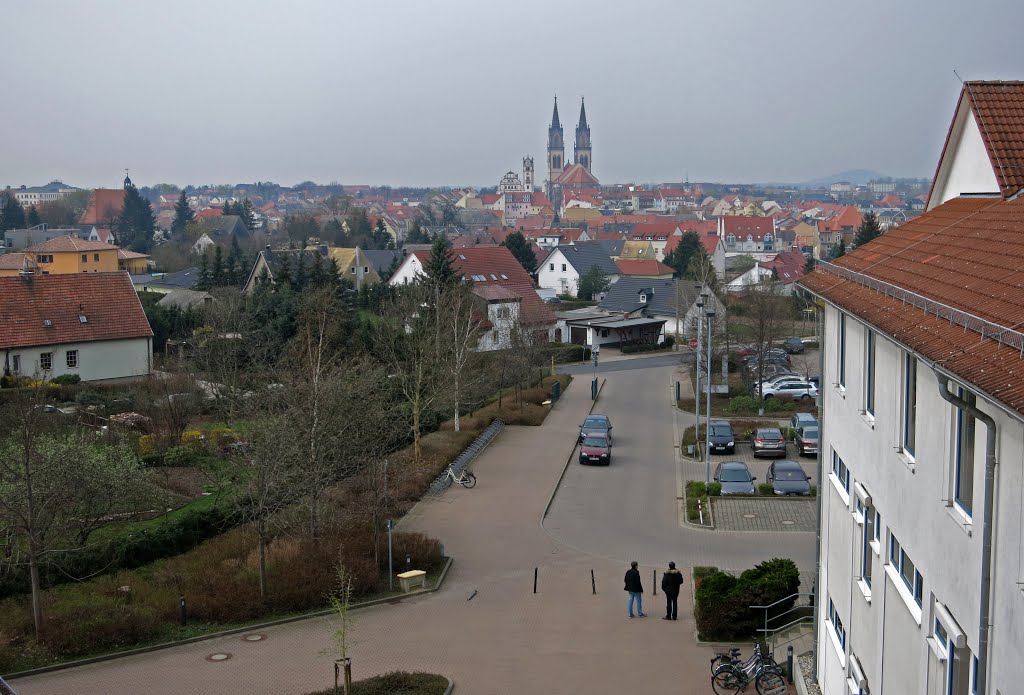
[82, 318]
[47, 323]
[643, 298]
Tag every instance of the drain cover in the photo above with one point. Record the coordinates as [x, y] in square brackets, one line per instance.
[750, 516]
[259, 638]
[219, 656]
[787, 522]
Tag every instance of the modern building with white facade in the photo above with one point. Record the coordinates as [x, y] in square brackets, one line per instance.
[921, 566]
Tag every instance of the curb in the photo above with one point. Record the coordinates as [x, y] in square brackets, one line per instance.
[558, 483]
[451, 686]
[227, 633]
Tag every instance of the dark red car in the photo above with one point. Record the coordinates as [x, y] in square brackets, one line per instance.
[595, 448]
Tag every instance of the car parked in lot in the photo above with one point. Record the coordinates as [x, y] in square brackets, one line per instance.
[792, 389]
[769, 442]
[805, 439]
[788, 478]
[772, 371]
[596, 449]
[781, 379]
[596, 424]
[735, 478]
[802, 420]
[721, 437]
[794, 346]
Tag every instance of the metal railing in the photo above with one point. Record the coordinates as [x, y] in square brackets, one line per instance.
[460, 464]
[987, 329]
[770, 631]
[6, 689]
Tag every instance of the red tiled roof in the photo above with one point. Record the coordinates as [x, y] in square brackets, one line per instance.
[104, 205]
[69, 243]
[107, 300]
[968, 254]
[498, 261]
[14, 261]
[742, 226]
[123, 255]
[999, 110]
[789, 266]
[648, 268]
[495, 292]
[209, 212]
[577, 176]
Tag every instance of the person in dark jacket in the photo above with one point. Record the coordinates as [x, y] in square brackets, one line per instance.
[635, 589]
[671, 580]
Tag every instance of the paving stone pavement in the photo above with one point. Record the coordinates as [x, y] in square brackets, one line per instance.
[765, 514]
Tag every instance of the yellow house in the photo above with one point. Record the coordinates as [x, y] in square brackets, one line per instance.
[69, 254]
[352, 264]
[135, 263]
[636, 249]
[13, 264]
[582, 215]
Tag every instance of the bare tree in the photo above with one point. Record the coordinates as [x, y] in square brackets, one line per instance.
[764, 311]
[170, 401]
[460, 319]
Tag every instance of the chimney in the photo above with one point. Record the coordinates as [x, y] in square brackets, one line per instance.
[323, 250]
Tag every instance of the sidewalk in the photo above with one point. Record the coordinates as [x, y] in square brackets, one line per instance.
[506, 639]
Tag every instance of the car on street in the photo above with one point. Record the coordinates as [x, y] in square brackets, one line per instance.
[721, 437]
[745, 350]
[596, 449]
[805, 439]
[735, 478]
[802, 420]
[794, 346]
[596, 424]
[769, 442]
[553, 300]
[793, 390]
[788, 478]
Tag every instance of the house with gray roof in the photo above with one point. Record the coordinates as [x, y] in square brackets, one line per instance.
[672, 300]
[164, 283]
[565, 265]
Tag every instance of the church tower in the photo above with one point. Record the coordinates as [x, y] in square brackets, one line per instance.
[528, 174]
[582, 154]
[556, 147]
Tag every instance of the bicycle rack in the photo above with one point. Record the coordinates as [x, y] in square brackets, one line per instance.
[460, 464]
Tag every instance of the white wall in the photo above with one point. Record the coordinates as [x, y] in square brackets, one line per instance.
[551, 275]
[408, 271]
[913, 495]
[965, 166]
[97, 361]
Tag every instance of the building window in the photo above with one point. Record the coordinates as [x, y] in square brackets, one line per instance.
[837, 625]
[869, 375]
[963, 492]
[46, 361]
[502, 312]
[96, 257]
[563, 267]
[72, 359]
[909, 404]
[869, 535]
[842, 350]
[958, 670]
[551, 267]
[16, 364]
[840, 471]
[902, 563]
[85, 258]
[44, 258]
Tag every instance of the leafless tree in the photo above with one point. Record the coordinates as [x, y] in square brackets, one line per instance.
[170, 401]
[460, 318]
[765, 310]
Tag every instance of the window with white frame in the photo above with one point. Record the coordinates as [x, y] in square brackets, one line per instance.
[869, 374]
[950, 645]
[840, 471]
[856, 683]
[46, 361]
[842, 349]
[71, 358]
[837, 625]
[551, 267]
[904, 566]
[909, 404]
[16, 364]
[868, 535]
[963, 479]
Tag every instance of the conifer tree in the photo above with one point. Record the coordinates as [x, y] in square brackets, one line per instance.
[217, 272]
[299, 281]
[869, 229]
[284, 271]
[247, 212]
[134, 225]
[204, 272]
[32, 219]
[440, 267]
[317, 276]
[520, 248]
[12, 215]
[183, 215]
[233, 268]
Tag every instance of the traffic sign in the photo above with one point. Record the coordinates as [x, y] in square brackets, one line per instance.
[693, 343]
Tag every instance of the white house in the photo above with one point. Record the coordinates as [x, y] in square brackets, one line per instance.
[565, 265]
[90, 324]
[922, 438]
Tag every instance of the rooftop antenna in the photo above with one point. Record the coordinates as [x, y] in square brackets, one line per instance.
[958, 76]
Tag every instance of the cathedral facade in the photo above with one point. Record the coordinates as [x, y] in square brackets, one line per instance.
[562, 175]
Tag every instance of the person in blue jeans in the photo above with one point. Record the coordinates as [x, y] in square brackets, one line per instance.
[635, 589]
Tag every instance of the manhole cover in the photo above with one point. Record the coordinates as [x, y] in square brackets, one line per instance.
[750, 516]
[787, 522]
[219, 656]
[254, 638]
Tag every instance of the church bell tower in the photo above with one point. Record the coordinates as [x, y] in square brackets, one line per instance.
[556, 147]
[582, 153]
[528, 174]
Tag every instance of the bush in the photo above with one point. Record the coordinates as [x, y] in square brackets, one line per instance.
[814, 490]
[742, 404]
[146, 445]
[647, 347]
[715, 489]
[723, 601]
[182, 456]
[67, 379]
[777, 405]
[765, 489]
[397, 683]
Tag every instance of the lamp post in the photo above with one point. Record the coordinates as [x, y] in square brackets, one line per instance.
[696, 372]
[709, 311]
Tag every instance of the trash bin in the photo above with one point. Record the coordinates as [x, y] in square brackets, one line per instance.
[689, 449]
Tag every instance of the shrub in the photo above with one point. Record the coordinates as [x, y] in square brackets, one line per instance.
[67, 379]
[183, 456]
[715, 489]
[397, 683]
[814, 490]
[765, 489]
[147, 444]
[723, 601]
[192, 438]
[741, 404]
[778, 405]
[423, 551]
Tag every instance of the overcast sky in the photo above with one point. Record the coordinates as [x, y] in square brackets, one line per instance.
[455, 93]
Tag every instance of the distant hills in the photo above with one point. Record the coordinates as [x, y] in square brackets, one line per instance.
[857, 177]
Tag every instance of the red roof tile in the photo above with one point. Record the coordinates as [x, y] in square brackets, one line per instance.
[647, 268]
[14, 261]
[999, 109]
[104, 205]
[577, 176]
[107, 300]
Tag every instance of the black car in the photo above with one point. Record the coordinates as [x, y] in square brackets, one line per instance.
[788, 478]
[735, 478]
[769, 441]
[721, 437]
[596, 424]
[794, 346]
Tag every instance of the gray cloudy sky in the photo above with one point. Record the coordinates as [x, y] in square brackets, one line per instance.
[451, 93]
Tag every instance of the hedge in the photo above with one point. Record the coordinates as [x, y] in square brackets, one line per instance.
[649, 347]
[397, 683]
[723, 609]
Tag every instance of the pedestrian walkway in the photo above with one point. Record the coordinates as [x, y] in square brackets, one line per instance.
[505, 639]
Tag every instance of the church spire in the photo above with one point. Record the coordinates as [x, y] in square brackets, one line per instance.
[583, 114]
[554, 116]
[582, 151]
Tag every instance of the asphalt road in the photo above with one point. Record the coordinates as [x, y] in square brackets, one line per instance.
[669, 360]
[630, 511]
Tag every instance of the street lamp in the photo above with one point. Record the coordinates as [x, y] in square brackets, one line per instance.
[696, 372]
[709, 312]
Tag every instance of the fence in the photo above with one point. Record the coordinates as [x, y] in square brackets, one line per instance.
[798, 619]
[444, 481]
[6, 689]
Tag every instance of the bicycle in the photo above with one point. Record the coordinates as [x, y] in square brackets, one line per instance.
[732, 658]
[732, 677]
[466, 479]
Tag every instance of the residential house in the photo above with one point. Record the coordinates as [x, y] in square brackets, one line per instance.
[923, 430]
[132, 261]
[185, 299]
[644, 269]
[69, 254]
[713, 244]
[748, 235]
[164, 283]
[565, 265]
[90, 325]
[352, 264]
[672, 301]
[786, 268]
[382, 260]
[271, 263]
[21, 239]
[13, 264]
[638, 250]
[219, 230]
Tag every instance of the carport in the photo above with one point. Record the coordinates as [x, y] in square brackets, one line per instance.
[617, 331]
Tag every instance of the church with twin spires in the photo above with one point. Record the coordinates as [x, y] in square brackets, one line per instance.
[577, 175]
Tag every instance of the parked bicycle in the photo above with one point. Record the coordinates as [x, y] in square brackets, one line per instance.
[465, 479]
[731, 676]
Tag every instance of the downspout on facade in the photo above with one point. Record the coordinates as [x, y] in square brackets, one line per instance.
[984, 624]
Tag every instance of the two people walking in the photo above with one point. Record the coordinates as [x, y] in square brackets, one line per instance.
[671, 580]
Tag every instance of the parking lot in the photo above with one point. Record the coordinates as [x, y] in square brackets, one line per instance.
[759, 466]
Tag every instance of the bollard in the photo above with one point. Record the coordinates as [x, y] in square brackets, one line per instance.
[593, 583]
[534, 580]
[677, 391]
[408, 563]
[789, 662]
[182, 610]
[654, 581]
[593, 389]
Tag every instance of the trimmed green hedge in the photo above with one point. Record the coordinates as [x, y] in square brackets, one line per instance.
[723, 604]
[397, 683]
[649, 347]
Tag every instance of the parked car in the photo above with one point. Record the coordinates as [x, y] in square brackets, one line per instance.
[596, 448]
[781, 379]
[772, 355]
[721, 437]
[802, 420]
[769, 441]
[788, 478]
[772, 371]
[745, 350]
[792, 389]
[794, 346]
[553, 300]
[806, 439]
[735, 478]
[596, 424]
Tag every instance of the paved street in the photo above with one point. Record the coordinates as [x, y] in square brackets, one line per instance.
[764, 514]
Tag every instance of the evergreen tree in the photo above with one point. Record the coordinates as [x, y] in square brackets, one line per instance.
[299, 281]
[517, 244]
[679, 258]
[247, 212]
[317, 275]
[333, 272]
[217, 272]
[840, 250]
[134, 225]
[869, 229]
[809, 265]
[417, 235]
[228, 209]
[204, 283]
[440, 267]
[12, 215]
[284, 272]
[594, 282]
[33, 217]
[233, 269]
[380, 235]
[183, 215]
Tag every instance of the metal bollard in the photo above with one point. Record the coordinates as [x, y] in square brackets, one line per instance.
[789, 662]
[654, 581]
[534, 580]
[593, 583]
[408, 563]
[182, 610]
